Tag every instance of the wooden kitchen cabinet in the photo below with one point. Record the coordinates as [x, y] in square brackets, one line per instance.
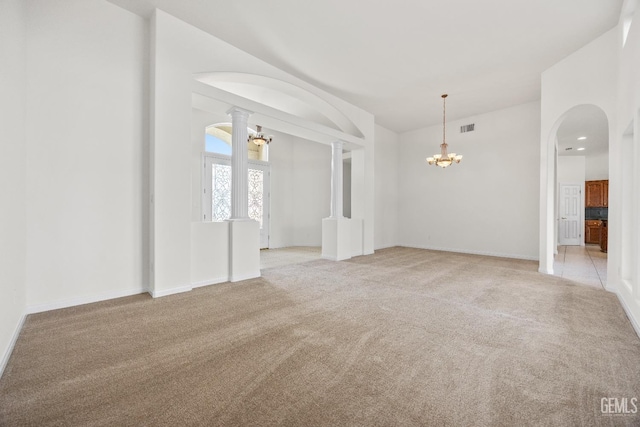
[592, 231]
[604, 236]
[596, 194]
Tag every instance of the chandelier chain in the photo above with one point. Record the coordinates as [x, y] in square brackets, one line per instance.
[444, 118]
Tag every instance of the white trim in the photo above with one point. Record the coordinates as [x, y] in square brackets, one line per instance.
[227, 159]
[627, 310]
[215, 281]
[7, 354]
[464, 251]
[244, 277]
[71, 302]
[171, 291]
[385, 247]
[611, 289]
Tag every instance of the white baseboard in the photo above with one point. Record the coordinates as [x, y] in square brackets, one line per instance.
[244, 277]
[465, 251]
[171, 291]
[12, 344]
[627, 310]
[209, 282]
[385, 247]
[71, 302]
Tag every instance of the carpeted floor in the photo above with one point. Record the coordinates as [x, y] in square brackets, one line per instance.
[405, 337]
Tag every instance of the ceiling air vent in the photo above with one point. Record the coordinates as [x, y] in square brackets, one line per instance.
[467, 128]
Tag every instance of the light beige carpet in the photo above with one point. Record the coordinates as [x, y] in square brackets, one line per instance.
[404, 337]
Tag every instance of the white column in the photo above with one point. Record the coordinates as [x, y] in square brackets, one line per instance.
[336, 179]
[239, 164]
[244, 234]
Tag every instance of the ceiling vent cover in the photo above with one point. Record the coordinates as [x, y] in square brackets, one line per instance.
[467, 128]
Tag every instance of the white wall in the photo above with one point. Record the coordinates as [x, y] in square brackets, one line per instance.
[12, 173]
[624, 182]
[386, 188]
[487, 204]
[86, 153]
[311, 191]
[281, 225]
[300, 190]
[571, 169]
[597, 166]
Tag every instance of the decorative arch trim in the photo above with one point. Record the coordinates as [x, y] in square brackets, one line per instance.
[282, 96]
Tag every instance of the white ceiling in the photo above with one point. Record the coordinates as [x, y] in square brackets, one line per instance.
[583, 121]
[395, 59]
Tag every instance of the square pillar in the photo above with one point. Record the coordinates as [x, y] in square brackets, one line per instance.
[244, 250]
[336, 239]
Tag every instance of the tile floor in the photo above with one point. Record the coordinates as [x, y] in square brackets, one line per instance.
[582, 264]
[270, 258]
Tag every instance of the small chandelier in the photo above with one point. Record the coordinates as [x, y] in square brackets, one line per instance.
[259, 138]
[443, 159]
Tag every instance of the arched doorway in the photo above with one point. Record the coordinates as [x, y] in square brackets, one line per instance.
[579, 146]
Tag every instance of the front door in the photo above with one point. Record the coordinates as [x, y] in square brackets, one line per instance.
[216, 201]
[570, 207]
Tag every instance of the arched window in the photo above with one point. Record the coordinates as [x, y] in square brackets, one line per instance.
[218, 141]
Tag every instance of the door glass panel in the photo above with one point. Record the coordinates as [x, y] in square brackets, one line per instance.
[221, 192]
[256, 184]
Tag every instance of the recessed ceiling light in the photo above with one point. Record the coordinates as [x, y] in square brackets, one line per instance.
[581, 149]
[582, 138]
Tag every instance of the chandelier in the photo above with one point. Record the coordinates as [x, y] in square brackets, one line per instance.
[443, 159]
[259, 138]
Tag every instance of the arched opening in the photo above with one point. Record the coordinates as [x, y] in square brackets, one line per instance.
[577, 196]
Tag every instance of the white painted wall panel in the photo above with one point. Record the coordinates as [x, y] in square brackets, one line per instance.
[387, 145]
[311, 191]
[597, 167]
[488, 204]
[87, 152]
[12, 173]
